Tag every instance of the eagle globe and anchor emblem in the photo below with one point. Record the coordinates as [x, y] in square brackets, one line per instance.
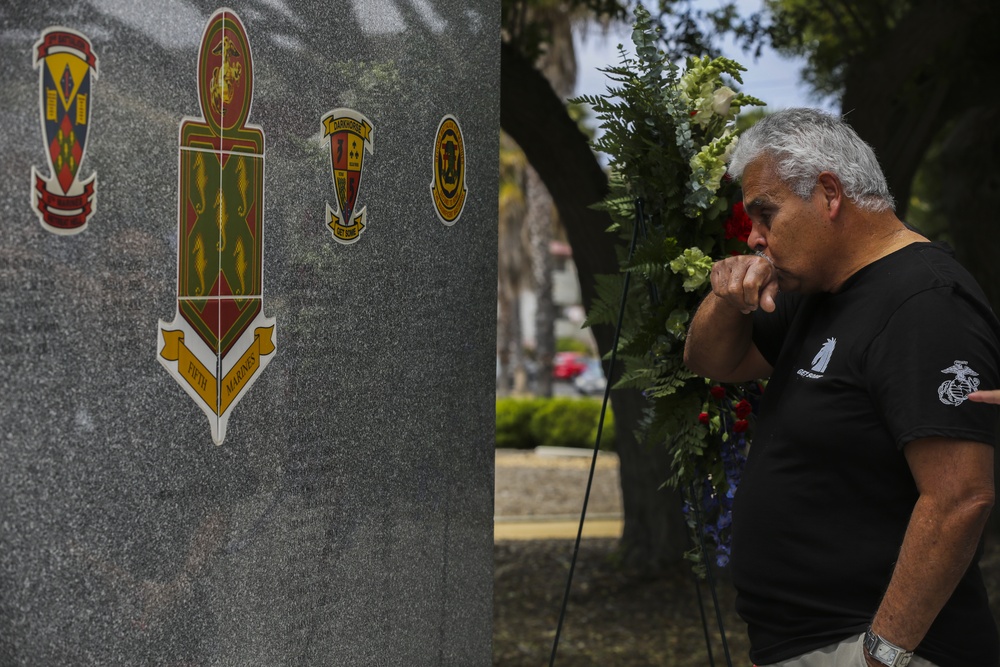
[220, 341]
[956, 390]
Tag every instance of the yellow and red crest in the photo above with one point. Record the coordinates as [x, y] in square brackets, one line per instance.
[349, 136]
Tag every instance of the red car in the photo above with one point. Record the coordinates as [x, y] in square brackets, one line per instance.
[567, 365]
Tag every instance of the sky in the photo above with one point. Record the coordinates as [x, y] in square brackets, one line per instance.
[772, 78]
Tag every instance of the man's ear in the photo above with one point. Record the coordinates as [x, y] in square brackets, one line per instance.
[832, 190]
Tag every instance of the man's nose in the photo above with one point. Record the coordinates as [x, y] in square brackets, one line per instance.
[756, 240]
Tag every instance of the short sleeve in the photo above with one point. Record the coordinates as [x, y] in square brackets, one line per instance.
[935, 349]
[770, 329]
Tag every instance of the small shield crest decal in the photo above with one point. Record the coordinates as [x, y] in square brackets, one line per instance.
[448, 187]
[349, 137]
[67, 68]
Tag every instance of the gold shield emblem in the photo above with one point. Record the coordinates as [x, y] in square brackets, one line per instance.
[448, 187]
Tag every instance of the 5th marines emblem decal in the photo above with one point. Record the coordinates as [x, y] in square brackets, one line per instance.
[220, 341]
[67, 67]
[448, 187]
[350, 135]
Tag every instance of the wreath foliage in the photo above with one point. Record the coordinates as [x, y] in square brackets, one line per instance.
[668, 134]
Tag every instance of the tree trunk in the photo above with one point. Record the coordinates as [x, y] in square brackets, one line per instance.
[539, 222]
[536, 118]
[510, 352]
[655, 534]
[969, 182]
[509, 339]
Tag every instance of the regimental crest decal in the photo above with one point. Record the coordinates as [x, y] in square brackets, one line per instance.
[67, 68]
[448, 187]
[220, 341]
[957, 389]
[349, 135]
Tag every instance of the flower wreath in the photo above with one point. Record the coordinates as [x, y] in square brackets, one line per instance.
[668, 135]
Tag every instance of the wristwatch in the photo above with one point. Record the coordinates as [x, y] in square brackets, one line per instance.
[886, 652]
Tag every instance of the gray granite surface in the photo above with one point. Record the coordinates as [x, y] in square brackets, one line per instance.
[346, 518]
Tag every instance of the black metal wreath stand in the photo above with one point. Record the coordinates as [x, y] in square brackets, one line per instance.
[640, 225]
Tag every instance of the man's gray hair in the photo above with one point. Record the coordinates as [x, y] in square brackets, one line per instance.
[805, 142]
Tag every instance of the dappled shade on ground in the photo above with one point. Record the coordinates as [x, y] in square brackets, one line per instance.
[615, 618]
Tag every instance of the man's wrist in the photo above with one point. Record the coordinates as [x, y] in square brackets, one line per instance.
[880, 651]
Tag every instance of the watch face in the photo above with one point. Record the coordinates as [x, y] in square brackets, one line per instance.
[885, 653]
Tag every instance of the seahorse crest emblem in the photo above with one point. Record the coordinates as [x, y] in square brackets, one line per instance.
[220, 340]
[957, 389]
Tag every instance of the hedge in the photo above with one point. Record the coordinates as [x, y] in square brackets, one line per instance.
[526, 423]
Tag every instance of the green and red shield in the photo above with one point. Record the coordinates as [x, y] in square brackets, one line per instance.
[220, 340]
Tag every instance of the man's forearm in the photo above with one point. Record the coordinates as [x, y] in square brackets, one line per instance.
[718, 339]
[938, 546]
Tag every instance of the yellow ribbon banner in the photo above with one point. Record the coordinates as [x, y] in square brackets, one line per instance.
[239, 375]
[190, 368]
[335, 124]
[203, 381]
[346, 232]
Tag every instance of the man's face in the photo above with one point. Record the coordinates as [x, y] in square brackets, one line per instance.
[792, 232]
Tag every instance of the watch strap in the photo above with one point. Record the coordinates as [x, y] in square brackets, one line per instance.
[885, 652]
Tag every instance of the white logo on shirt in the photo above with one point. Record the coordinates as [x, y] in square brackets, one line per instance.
[957, 389]
[821, 360]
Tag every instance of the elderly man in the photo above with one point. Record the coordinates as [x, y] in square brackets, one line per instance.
[856, 528]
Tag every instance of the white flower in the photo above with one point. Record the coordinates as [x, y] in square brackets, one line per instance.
[722, 99]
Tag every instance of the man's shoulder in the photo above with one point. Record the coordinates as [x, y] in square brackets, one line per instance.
[922, 280]
[930, 276]
[923, 266]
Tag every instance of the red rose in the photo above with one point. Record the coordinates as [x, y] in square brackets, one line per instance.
[743, 408]
[703, 418]
[717, 392]
[740, 425]
[738, 224]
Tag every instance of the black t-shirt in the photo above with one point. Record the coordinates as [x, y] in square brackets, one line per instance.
[824, 502]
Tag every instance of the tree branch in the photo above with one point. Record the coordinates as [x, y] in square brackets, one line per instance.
[562, 156]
